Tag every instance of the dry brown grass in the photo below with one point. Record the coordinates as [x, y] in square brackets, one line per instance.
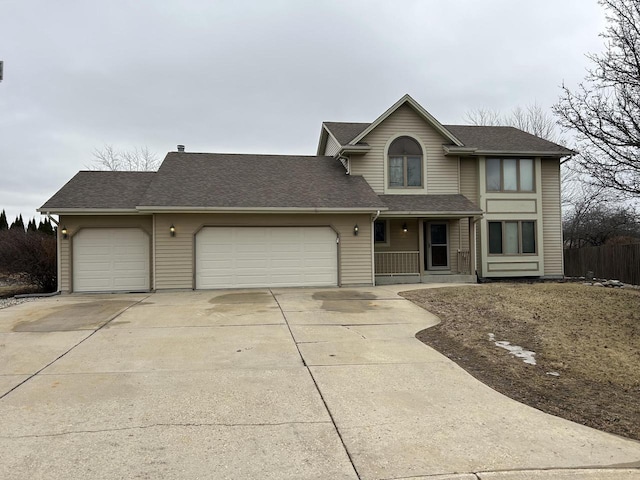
[589, 335]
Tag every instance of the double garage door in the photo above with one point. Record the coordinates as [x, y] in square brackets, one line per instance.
[118, 259]
[266, 257]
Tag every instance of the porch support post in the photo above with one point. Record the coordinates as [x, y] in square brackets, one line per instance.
[421, 247]
[472, 246]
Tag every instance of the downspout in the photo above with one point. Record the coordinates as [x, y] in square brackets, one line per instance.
[475, 244]
[153, 251]
[58, 261]
[373, 256]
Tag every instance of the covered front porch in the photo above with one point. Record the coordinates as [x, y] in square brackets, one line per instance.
[424, 249]
[426, 238]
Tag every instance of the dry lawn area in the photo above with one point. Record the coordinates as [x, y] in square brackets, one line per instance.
[590, 336]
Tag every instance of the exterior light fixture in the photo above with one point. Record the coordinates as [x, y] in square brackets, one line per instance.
[404, 227]
[65, 233]
[356, 229]
[172, 230]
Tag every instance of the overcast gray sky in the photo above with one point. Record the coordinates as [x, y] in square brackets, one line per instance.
[259, 76]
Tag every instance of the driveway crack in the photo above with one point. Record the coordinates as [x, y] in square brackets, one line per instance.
[315, 383]
[161, 425]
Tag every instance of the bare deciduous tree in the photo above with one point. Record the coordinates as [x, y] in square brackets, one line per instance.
[594, 223]
[136, 160]
[535, 120]
[484, 116]
[532, 119]
[604, 110]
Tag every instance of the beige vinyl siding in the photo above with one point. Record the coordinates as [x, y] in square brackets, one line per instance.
[400, 241]
[454, 244]
[75, 223]
[332, 147]
[175, 255]
[441, 172]
[469, 178]
[552, 218]
[468, 188]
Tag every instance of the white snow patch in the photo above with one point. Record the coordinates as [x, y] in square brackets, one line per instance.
[517, 351]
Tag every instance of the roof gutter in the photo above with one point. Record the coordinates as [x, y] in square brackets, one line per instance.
[355, 149]
[428, 214]
[503, 153]
[88, 211]
[163, 209]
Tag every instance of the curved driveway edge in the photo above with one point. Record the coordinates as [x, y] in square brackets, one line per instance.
[270, 384]
[404, 410]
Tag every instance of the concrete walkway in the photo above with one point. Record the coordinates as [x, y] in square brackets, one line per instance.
[281, 384]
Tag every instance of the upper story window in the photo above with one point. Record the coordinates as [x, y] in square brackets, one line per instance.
[405, 163]
[510, 175]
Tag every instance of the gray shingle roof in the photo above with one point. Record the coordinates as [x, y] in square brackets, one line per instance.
[91, 190]
[430, 203]
[256, 181]
[484, 138]
[503, 139]
[345, 131]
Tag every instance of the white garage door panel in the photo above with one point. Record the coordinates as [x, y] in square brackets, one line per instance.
[110, 259]
[266, 256]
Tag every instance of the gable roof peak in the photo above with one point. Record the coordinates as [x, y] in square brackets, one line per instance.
[426, 116]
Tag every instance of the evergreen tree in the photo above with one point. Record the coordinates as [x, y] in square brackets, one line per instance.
[32, 227]
[3, 221]
[46, 227]
[18, 223]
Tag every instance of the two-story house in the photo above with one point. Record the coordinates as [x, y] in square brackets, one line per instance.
[401, 199]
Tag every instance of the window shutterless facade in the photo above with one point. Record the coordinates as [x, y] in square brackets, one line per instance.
[405, 163]
[510, 175]
[512, 237]
[380, 232]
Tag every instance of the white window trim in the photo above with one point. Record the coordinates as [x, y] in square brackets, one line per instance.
[404, 190]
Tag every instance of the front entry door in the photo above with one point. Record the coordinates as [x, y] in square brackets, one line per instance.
[437, 246]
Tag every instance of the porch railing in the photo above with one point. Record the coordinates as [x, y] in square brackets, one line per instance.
[397, 263]
[464, 262]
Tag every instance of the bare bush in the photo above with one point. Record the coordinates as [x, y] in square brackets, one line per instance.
[31, 255]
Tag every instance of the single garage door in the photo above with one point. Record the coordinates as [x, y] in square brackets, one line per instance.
[110, 259]
[266, 257]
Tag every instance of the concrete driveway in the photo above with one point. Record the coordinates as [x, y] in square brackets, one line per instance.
[268, 384]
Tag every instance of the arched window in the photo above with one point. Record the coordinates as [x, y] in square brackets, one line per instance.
[405, 163]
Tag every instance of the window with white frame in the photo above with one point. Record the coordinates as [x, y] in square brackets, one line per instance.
[405, 163]
[512, 237]
[510, 175]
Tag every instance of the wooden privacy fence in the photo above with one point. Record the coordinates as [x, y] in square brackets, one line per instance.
[619, 262]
